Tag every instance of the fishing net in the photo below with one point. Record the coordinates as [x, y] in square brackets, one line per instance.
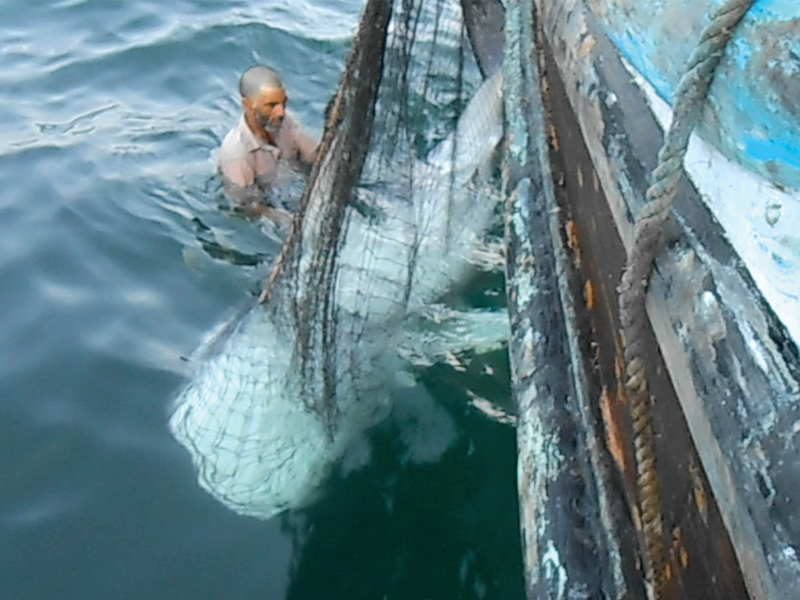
[398, 204]
[383, 200]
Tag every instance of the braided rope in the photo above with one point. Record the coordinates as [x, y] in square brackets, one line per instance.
[689, 98]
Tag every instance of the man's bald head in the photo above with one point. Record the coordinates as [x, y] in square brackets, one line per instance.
[256, 79]
[264, 101]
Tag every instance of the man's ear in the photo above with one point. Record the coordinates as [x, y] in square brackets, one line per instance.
[247, 105]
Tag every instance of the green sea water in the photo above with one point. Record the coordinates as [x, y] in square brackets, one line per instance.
[117, 255]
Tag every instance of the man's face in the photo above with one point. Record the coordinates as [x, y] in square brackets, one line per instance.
[269, 108]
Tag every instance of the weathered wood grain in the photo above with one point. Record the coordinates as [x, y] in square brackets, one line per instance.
[730, 362]
[578, 540]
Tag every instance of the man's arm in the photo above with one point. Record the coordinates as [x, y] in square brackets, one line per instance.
[239, 182]
[297, 143]
[306, 146]
[238, 172]
[249, 199]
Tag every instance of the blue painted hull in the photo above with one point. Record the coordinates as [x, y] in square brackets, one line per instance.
[753, 112]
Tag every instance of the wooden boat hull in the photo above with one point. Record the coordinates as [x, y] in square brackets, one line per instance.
[724, 369]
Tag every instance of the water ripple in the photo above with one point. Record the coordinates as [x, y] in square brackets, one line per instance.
[117, 253]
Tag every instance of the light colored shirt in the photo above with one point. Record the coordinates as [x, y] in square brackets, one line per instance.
[249, 165]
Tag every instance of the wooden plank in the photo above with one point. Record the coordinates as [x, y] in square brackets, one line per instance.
[578, 542]
[484, 20]
[698, 545]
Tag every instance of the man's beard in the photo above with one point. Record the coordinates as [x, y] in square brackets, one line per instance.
[269, 126]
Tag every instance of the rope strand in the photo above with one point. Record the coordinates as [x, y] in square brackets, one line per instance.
[689, 99]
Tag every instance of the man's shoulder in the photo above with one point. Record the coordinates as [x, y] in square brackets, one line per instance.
[291, 131]
[288, 127]
[235, 145]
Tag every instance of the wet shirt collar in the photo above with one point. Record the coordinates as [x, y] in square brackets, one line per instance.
[251, 142]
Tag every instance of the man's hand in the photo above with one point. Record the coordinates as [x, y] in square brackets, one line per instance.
[279, 216]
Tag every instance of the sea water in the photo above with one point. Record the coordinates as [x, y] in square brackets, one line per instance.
[117, 254]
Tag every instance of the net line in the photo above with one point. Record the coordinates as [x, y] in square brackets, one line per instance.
[397, 99]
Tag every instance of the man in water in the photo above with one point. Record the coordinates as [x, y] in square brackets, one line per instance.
[264, 142]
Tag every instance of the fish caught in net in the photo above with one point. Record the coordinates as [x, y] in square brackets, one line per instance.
[403, 193]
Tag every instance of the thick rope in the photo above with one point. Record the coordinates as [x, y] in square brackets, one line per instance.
[689, 98]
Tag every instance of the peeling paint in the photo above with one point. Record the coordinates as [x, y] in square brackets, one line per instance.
[555, 572]
[784, 10]
[753, 111]
[699, 492]
[738, 199]
[589, 294]
[733, 399]
[614, 436]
